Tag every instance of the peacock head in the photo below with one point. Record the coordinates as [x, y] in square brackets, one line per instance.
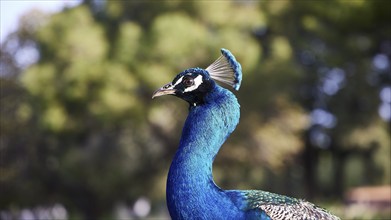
[193, 84]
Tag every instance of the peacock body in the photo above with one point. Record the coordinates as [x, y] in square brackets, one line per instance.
[214, 113]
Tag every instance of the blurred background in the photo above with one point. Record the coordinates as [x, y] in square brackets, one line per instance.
[82, 139]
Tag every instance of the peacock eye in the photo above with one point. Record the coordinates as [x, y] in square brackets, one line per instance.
[188, 81]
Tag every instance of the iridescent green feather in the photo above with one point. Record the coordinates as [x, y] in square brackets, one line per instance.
[279, 207]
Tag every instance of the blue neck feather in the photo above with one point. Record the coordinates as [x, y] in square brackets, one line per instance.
[191, 191]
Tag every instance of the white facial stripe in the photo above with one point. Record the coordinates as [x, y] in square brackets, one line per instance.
[197, 82]
[179, 81]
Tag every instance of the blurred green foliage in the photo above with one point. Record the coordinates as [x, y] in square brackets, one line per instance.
[78, 126]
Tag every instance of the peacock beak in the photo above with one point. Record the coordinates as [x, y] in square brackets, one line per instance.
[167, 89]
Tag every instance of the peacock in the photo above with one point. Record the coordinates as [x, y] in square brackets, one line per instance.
[213, 115]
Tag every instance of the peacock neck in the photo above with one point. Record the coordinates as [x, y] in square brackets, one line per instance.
[191, 191]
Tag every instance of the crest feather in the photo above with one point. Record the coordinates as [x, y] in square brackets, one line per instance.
[226, 69]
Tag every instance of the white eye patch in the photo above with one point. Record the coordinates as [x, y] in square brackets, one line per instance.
[197, 83]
